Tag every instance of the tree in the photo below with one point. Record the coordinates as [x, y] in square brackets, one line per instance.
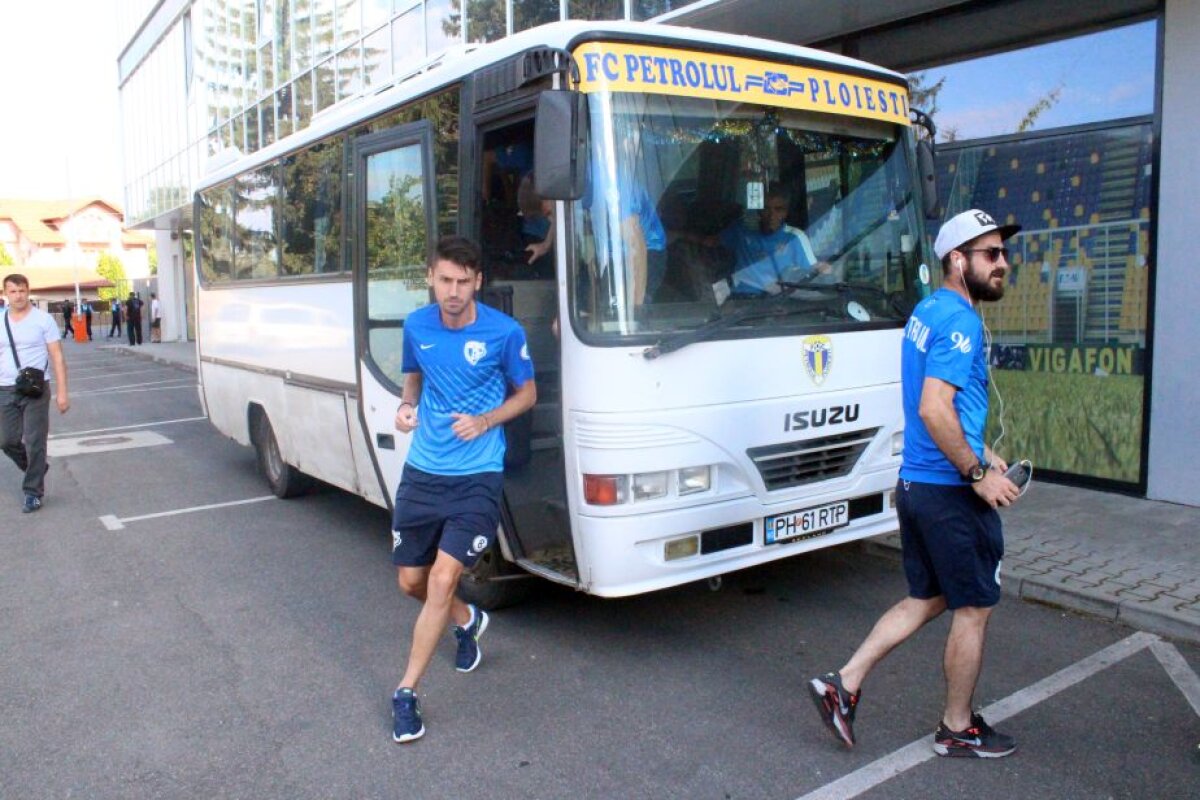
[6, 260]
[1045, 104]
[109, 267]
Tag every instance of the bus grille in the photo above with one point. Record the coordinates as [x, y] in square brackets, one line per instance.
[797, 463]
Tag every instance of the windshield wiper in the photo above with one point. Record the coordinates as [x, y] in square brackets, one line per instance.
[669, 344]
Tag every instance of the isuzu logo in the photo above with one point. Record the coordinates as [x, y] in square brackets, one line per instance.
[820, 417]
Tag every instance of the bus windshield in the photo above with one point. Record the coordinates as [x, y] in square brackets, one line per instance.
[715, 219]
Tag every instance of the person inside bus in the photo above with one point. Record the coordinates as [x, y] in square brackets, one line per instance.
[537, 227]
[643, 237]
[771, 253]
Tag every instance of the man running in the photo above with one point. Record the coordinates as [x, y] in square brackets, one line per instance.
[460, 361]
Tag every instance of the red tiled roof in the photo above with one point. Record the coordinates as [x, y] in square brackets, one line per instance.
[38, 219]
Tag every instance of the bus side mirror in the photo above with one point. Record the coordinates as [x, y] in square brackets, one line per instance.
[928, 172]
[560, 145]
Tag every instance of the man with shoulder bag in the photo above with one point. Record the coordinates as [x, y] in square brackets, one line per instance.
[29, 344]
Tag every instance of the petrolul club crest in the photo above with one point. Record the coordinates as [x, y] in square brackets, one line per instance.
[818, 357]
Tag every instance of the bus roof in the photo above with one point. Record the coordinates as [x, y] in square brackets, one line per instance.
[460, 61]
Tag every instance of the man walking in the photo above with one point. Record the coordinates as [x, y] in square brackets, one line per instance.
[68, 310]
[115, 328]
[24, 420]
[949, 489]
[460, 360]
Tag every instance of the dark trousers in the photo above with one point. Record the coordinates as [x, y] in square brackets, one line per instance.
[134, 327]
[88, 317]
[67, 329]
[116, 325]
[24, 426]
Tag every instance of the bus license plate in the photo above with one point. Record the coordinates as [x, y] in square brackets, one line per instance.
[784, 527]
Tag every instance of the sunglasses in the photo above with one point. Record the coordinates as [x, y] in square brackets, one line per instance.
[993, 253]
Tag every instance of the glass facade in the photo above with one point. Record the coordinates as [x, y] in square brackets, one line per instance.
[256, 71]
[1069, 336]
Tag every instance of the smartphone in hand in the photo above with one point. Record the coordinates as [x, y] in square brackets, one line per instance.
[1020, 473]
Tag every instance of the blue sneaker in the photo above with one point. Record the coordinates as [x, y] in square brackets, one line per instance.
[406, 714]
[469, 654]
[32, 503]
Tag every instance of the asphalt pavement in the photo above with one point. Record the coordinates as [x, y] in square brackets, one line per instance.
[173, 630]
[1121, 558]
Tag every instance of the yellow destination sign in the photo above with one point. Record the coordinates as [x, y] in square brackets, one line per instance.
[615, 67]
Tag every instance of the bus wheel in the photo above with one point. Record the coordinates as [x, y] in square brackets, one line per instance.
[494, 582]
[285, 480]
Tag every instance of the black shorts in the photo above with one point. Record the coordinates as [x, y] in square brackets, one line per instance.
[457, 514]
[952, 543]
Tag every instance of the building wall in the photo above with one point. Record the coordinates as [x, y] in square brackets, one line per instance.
[1175, 385]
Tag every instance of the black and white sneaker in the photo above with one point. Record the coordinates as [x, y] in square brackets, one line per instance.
[980, 740]
[836, 706]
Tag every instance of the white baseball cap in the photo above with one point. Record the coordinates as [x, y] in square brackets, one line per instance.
[962, 228]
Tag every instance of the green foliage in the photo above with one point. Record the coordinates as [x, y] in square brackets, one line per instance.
[110, 267]
[1082, 424]
[152, 257]
[1045, 104]
[396, 238]
[6, 260]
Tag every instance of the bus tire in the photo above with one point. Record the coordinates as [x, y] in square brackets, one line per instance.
[494, 582]
[284, 479]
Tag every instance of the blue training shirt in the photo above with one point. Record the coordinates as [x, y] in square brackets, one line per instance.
[765, 258]
[467, 371]
[943, 339]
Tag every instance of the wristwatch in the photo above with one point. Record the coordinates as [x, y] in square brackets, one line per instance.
[977, 472]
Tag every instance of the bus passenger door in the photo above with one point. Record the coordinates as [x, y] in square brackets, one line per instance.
[394, 226]
[511, 219]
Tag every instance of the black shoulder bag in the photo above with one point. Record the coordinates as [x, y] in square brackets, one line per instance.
[31, 381]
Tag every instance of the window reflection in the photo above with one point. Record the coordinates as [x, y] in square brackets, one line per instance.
[408, 45]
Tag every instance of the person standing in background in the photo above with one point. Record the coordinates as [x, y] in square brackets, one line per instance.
[155, 319]
[133, 319]
[86, 308]
[115, 328]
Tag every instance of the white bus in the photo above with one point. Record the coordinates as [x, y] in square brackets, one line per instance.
[687, 424]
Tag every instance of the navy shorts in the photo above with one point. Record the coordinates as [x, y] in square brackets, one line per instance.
[952, 544]
[458, 514]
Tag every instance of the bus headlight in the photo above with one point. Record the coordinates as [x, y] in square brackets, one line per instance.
[612, 490]
[649, 485]
[897, 443]
[693, 480]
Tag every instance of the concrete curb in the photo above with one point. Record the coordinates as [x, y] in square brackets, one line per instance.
[150, 355]
[1151, 616]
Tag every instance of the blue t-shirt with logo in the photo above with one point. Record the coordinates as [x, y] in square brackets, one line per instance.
[943, 339]
[466, 371]
[765, 258]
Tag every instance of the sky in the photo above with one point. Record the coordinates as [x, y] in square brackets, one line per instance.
[59, 125]
[59, 119]
[1103, 76]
